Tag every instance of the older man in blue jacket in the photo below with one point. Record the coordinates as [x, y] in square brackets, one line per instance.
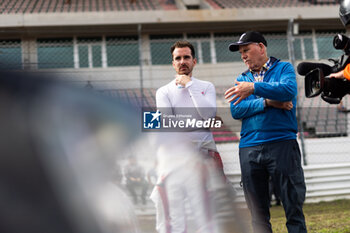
[264, 98]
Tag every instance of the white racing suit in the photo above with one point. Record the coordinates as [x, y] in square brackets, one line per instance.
[191, 180]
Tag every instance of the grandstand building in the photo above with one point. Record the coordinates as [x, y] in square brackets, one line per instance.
[123, 45]
[105, 41]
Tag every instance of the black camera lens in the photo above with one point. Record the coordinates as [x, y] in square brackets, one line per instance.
[340, 41]
[314, 81]
[316, 85]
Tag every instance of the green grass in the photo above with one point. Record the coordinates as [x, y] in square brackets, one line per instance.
[323, 217]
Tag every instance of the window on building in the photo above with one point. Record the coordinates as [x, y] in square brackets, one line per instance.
[303, 46]
[122, 51]
[201, 42]
[309, 48]
[325, 46]
[160, 48]
[55, 53]
[298, 48]
[277, 46]
[90, 52]
[223, 54]
[10, 54]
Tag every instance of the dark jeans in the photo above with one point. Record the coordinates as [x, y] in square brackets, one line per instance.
[281, 161]
[272, 190]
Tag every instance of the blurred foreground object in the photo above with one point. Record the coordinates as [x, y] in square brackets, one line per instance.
[190, 185]
[59, 146]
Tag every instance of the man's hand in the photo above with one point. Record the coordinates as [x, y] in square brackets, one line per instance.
[182, 79]
[242, 90]
[339, 74]
[277, 104]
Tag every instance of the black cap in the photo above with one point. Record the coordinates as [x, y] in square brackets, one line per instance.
[247, 38]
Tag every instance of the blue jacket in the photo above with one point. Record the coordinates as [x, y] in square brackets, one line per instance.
[262, 125]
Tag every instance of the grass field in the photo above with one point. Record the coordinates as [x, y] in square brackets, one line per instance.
[323, 217]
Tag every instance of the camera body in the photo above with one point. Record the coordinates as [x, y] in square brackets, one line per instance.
[332, 90]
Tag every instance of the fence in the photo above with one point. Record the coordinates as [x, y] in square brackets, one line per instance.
[122, 51]
[123, 65]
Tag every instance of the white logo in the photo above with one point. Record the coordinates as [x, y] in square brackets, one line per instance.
[243, 35]
[151, 120]
[157, 120]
